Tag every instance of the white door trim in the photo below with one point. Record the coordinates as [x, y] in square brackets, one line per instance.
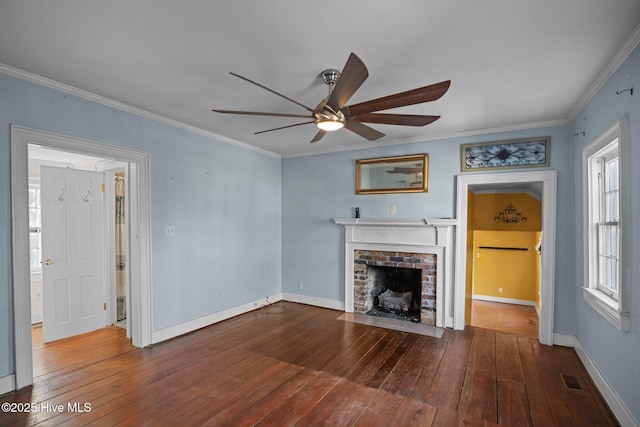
[140, 244]
[548, 178]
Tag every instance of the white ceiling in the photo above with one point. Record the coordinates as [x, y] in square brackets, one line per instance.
[512, 63]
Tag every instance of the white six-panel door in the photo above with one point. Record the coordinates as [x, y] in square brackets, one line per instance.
[72, 252]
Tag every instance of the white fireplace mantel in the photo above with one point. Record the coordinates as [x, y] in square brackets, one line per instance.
[435, 236]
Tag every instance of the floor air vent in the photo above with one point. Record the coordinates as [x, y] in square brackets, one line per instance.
[571, 382]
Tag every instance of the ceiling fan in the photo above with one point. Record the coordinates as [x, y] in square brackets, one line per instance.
[332, 113]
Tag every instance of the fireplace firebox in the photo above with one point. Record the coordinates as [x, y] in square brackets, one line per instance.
[395, 285]
[394, 292]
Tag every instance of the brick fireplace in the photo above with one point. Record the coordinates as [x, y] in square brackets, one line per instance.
[382, 281]
[425, 245]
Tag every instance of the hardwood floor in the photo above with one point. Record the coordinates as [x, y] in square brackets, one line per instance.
[510, 318]
[292, 364]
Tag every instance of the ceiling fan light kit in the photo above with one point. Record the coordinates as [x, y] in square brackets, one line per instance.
[329, 124]
[332, 113]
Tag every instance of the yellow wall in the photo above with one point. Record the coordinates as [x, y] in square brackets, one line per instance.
[538, 270]
[469, 267]
[515, 272]
[518, 274]
[488, 206]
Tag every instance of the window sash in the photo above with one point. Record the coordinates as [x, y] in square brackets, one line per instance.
[609, 200]
[608, 258]
[35, 232]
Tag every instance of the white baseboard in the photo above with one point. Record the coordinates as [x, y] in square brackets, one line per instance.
[7, 384]
[318, 302]
[504, 300]
[192, 325]
[625, 418]
[564, 340]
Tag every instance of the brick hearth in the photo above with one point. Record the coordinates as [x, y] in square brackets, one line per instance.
[421, 261]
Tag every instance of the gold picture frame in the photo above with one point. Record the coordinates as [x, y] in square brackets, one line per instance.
[400, 174]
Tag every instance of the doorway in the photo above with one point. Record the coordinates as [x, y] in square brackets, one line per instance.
[504, 232]
[101, 258]
[138, 172]
[546, 180]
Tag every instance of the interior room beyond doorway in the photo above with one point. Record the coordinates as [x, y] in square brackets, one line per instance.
[505, 237]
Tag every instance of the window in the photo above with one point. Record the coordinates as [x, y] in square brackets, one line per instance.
[35, 226]
[604, 227]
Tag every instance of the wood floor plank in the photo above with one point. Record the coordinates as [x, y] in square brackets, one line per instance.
[479, 393]
[299, 403]
[446, 387]
[375, 372]
[513, 404]
[344, 361]
[273, 402]
[582, 402]
[241, 403]
[352, 408]
[158, 392]
[293, 364]
[402, 378]
[389, 365]
[412, 413]
[427, 364]
[380, 410]
[537, 396]
[342, 338]
[321, 412]
[508, 362]
[555, 392]
[209, 392]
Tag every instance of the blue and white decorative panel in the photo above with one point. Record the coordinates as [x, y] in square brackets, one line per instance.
[521, 153]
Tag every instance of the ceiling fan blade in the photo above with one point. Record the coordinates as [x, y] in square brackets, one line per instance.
[284, 127]
[319, 135]
[410, 97]
[364, 130]
[351, 78]
[395, 119]
[272, 91]
[263, 113]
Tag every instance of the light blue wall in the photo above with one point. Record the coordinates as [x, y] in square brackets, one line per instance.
[316, 189]
[616, 354]
[224, 201]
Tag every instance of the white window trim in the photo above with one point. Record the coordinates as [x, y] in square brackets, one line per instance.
[615, 311]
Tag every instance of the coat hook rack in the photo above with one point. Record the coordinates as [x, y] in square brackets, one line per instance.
[620, 92]
[579, 133]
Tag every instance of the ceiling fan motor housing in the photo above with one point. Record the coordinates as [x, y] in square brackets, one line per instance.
[330, 76]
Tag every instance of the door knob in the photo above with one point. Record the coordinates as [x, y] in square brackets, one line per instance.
[48, 261]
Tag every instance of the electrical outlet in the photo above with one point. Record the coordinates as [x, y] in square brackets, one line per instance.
[392, 209]
[500, 290]
[170, 230]
[300, 285]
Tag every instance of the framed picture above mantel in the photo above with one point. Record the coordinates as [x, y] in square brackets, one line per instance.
[514, 154]
[400, 174]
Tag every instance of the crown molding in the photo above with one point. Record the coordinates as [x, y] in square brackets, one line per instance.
[441, 137]
[42, 81]
[614, 64]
